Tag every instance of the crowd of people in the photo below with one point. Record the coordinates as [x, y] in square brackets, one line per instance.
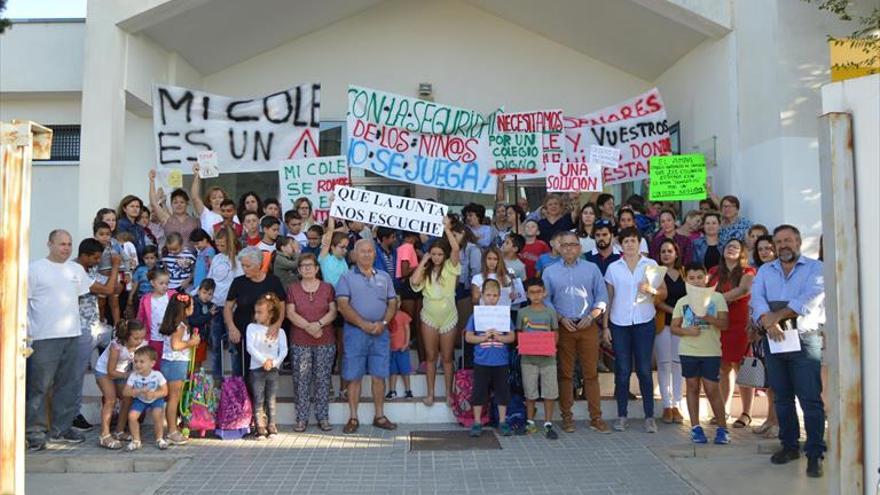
[200, 274]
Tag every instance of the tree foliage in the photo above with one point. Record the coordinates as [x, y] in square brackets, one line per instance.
[865, 38]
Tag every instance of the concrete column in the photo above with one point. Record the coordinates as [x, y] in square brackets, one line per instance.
[103, 114]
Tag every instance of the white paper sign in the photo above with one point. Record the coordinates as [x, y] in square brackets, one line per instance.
[699, 298]
[654, 276]
[791, 343]
[312, 178]
[208, 165]
[492, 318]
[573, 177]
[604, 156]
[247, 134]
[386, 210]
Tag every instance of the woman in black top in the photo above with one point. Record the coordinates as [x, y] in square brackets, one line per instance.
[665, 343]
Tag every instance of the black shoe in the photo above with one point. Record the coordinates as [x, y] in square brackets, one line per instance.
[550, 433]
[814, 467]
[72, 435]
[784, 456]
[408, 394]
[36, 444]
[81, 424]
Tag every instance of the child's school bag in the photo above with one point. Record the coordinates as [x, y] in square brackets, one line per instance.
[234, 411]
[203, 403]
[463, 387]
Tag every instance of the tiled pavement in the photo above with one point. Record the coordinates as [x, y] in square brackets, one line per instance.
[378, 461]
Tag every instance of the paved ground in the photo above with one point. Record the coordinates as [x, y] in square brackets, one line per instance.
[377, 461]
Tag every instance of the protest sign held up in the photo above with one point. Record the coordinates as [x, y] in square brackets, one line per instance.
[246, 134]
[637, 127]
[419, 142]
[678, 178]
[386, 210]
[574, 177]
[525, 143]
[313, 178]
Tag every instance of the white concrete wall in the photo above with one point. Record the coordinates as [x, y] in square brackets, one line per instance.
[53, 200]
[40, 57]
[474, 60]
[861, 98]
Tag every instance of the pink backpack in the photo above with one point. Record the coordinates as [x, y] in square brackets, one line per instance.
[234, 411]
[461, 399]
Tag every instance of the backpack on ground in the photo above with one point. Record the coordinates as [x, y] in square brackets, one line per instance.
[234, 411]
[203, 403]
[463, 387]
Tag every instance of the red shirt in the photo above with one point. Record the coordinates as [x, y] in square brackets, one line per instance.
[235, 227]
[252, 241]
[530, 253]
[397, 327]
[312, 309]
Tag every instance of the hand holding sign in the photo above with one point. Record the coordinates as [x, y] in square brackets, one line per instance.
[207, 165]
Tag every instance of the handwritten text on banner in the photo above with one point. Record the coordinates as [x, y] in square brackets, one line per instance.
[313, 178]
[247, 134]
[524, 143]
[386, 210]
[419, 142]
[678, 178]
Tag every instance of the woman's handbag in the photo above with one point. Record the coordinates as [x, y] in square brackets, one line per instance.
[751, 373]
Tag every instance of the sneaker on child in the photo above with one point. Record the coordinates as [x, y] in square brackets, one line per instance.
[549, 432]
[722, 436]
[698, 436]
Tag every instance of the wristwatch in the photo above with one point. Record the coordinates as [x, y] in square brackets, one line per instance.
[384, 323]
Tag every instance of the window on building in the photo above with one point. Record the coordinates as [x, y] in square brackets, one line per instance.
[65, 144]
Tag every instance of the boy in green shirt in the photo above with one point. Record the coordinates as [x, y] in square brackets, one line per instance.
[536, 317]
[700, 354]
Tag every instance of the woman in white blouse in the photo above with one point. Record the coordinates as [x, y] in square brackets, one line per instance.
[631, 332]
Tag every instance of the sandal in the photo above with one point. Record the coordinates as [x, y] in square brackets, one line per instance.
[383, 423]
[760, 430]
[773, 432]
[300, 427]
[739, 423]
[351, 426]
[324, 425]
[108, 442]
[122, 436]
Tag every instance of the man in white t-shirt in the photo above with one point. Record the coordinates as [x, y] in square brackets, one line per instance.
[54, 287]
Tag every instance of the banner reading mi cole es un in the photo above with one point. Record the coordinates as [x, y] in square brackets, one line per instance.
[419, 142]
[386, 210]
[247, 134]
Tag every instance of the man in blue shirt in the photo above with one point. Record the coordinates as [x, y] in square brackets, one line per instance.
[577, 291]
[367, 301]
[604, 253]
[386, 254]
[789, 293]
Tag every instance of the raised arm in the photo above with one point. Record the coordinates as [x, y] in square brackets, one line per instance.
[195, 190]
[455, 253]
[328, 237]
[161, 213]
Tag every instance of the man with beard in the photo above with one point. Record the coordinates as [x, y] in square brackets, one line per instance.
[789, 294]
[604, 253]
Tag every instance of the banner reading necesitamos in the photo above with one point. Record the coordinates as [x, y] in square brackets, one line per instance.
[246, 134]
[386, 210]
[312, 178]
[418, 141]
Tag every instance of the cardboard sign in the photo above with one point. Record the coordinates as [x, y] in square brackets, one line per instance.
[678, 178]
[208, 164]
[312, 178]
[574, 177]
[386, 210]
[492, 318]
[247, 134]
[536, 343]
[419, 142]
[637, 127]
[524, 143]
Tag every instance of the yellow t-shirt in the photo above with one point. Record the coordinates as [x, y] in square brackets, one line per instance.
[708, 343]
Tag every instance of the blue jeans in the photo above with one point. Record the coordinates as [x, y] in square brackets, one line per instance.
[799, 374]
[628, 342]
[219, 336]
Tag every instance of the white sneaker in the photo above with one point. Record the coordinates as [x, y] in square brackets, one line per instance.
[133, 445]
[161, 444]
[650, 425]
[620, 424]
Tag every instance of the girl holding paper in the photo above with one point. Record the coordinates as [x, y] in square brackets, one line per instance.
[436, 278]
[631, 318]
[734, 281]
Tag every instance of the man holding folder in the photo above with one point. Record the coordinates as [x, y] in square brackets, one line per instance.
[788, 302]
